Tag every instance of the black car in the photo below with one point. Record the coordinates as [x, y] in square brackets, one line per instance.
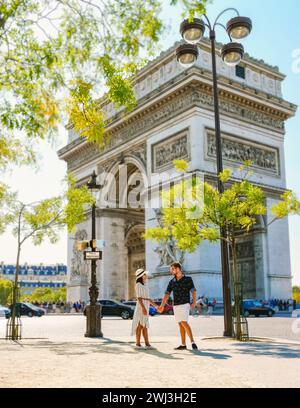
[114, 308]
[5, 311]
[132, 304]
[28, 309]
[255, 308]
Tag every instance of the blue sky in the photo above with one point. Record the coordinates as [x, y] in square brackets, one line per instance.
[275, 37]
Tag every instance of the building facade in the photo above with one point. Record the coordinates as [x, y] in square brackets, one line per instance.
[174, 119]
[36, 276]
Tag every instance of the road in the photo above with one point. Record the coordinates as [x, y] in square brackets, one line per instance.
[65, 326]
[55, 353]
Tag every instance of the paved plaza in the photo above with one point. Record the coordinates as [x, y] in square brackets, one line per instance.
[55, 353]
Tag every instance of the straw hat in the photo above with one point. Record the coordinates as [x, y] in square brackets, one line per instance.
[140, 272]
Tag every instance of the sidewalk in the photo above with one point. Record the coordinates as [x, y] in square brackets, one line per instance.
[84, 362]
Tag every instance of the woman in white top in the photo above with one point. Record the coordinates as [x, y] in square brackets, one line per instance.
[140, 323]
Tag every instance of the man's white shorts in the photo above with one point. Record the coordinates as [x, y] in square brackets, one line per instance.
[182, 312]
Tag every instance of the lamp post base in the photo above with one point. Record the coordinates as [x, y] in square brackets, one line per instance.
[93, 321]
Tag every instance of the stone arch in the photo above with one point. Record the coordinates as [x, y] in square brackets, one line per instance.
[135, 244]
[250, 261]
[124, 227]
[116, 187]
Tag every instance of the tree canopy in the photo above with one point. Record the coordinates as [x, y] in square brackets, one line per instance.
[47, 217]
[6, 287]
[46, 295]
[58, 57]
[190, 221]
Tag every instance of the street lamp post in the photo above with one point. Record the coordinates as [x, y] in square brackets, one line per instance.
[93, 310]
[231, 53]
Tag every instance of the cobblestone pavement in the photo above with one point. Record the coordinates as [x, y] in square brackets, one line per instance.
[55, 353]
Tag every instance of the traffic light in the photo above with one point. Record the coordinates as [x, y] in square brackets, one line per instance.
[93, 243]
[82, 245]
[97, 243]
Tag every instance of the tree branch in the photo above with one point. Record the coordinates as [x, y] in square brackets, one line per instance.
[42, 227]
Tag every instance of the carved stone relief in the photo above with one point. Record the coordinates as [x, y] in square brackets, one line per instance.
[141, 153]
[235, 150]
[165, 152]
[79, 269]
[168, 252]
[167, 111]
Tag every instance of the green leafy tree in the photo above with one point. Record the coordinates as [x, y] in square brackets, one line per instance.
[192, 8]
[43, 219]
[190, 222]
[58, 57]
[60, 295]
[6, 287]
[296, 293]
[46, 295]
[40, 295]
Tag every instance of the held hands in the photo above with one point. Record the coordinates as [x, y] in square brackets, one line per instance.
[144, 311]
[160, 309]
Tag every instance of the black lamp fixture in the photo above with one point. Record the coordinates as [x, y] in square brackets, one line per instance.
[239, 27]
[187, 55]
[92, 184]
[192, 32]
[93, 310]
[232, 53]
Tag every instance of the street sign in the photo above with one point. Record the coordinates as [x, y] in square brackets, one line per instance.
[92, 255]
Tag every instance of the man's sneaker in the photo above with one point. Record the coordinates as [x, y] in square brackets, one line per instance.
[139, 347]
[180, 348]
[194, 346]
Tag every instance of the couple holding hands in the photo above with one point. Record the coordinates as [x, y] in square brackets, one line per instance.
[181, 286]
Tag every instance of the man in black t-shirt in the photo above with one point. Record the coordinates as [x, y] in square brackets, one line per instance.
[181, 286]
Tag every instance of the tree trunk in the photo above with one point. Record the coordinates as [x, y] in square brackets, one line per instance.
[237, 289]
[14, 329]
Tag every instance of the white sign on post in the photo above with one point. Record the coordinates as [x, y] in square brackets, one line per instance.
[91, 255]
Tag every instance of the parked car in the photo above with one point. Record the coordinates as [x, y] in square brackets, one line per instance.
[132, 304]
[5, 312]
[253, 307]
[114, 308]
[28, 309]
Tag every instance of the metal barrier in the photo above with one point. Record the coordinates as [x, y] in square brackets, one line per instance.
[14, 329]
[244, 334]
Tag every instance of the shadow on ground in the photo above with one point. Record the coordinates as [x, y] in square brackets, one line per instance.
[110, 346]
[287, 351]
[107, 345]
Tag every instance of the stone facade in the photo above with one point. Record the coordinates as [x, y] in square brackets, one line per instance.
[174, 119]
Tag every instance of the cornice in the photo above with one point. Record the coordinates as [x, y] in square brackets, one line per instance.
[190, 89]
[205, 45]
[272, 191]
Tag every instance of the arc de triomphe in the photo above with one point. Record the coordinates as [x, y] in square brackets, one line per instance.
[174, 119]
